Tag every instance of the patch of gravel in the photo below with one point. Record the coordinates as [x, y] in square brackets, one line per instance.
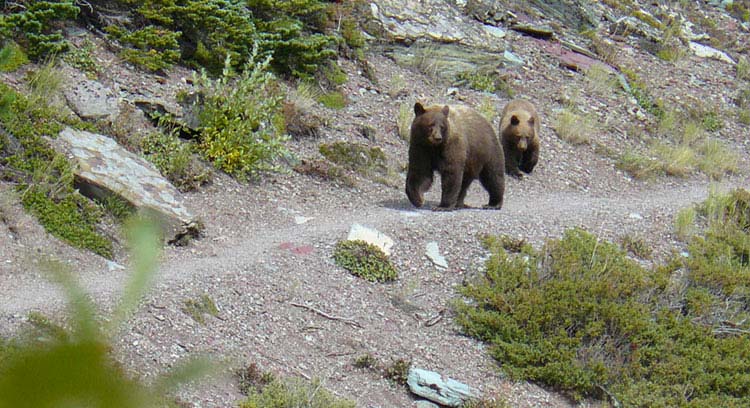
[247, 262]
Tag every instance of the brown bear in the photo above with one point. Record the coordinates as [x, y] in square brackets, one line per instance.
[519, 135]
[461, 145]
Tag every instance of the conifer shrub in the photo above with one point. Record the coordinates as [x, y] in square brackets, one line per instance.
[205, 33]
[578, 315]
[294, 393]
[33, 25]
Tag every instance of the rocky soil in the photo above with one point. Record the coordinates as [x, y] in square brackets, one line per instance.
[266, 268]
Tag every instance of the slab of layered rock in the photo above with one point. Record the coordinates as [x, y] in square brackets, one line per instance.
[103, 168]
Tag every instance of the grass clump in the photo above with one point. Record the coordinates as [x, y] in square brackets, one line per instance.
[677, 160]
[684, 223]
[12, 57]
[479, 81]
[241, 120]
[639, 91]
[639, 166]
[200, 307]
[51, 365]
[292, 393]
[364, 260]
[716, 159]
[578, 315]
[743, 69]
[573, 127]
[404, 119]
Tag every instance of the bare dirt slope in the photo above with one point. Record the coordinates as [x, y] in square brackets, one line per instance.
[265, 270]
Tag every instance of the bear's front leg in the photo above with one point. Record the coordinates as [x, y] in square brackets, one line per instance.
[450, 179]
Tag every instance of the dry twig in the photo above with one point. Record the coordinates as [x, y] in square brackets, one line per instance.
[346, 320]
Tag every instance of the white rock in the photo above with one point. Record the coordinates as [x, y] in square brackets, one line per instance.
[371, 236]
[433, 252]
[704, 51]
[301, 220]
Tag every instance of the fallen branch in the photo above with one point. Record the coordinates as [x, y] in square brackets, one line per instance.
[346, 320]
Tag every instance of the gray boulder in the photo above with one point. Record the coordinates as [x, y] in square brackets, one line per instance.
[443, 390]
[104, 168]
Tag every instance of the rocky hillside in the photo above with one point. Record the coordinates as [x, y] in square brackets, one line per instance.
[645, 106]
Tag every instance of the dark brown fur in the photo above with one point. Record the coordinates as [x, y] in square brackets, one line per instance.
[519, 134]
[460, 144]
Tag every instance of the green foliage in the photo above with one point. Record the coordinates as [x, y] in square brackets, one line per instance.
[44, 177]
[206, 33]
[71, 219]
[333, 100]
[743, 69]
[684, 223]
[52, 366]
[717, 159]
[398, 371]
[358, 157]
[34, 26]
[639, 166]
[241, 121]
[580, 316]
[366, 361]
[200, 307]
[573, 127]
[82, 58]
[479, 81]
[151, 47]
[294, 393]
[12, 57]
[351, 33]
[364, 260]
[174, 159]
[637, 246]
[639, 91]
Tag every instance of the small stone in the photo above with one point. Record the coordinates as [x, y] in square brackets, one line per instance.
[371, 236]
[433, 252]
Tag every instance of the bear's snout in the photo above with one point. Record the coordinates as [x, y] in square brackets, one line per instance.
[522, 144]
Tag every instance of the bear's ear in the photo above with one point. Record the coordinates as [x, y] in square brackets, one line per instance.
[531, 121]
[514, 120]
[418, 109]
[446, 109]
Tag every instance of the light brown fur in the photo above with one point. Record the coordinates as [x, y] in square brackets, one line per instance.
[519, 135]
[460, 144]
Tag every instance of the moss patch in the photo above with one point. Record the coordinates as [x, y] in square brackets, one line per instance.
[365, 160]
[364, 260]
[294, 393]
[200, 307]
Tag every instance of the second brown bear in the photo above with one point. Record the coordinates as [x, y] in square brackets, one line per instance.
[519, 135]
[461, 145]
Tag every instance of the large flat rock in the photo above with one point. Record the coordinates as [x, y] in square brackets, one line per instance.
[103, 167]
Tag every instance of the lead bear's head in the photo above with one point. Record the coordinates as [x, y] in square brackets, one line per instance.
[430, 125]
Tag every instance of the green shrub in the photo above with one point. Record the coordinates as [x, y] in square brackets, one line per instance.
[174, 159]
[33, 25]
[153, 48]
[580, 316]
[398, 371]
[293, 393]
[12, 57]
[364, 260]
[241, 121]
[365, 160]
[207, 32]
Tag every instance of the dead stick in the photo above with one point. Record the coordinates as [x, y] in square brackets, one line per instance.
[327, 316]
